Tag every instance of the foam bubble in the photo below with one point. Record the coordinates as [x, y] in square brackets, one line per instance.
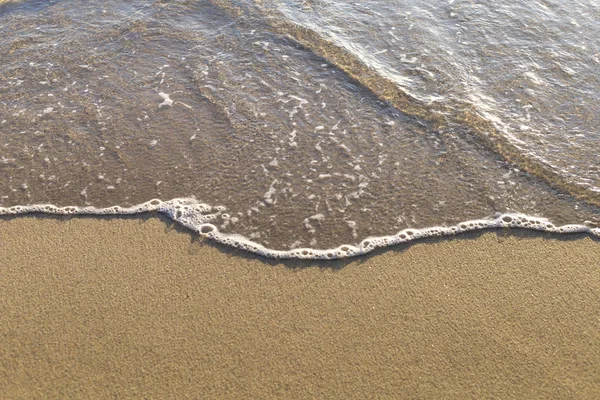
[167, 100]
[197, 217]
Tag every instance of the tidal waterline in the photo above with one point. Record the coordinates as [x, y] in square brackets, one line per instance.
[232, 104]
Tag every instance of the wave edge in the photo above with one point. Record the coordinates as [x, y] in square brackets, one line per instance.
[197, 216]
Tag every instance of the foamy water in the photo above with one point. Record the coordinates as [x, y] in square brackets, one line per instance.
[313, 129]
[198, 217]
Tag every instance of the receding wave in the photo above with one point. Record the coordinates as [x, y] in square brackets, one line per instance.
[306, 140]
[381, 80]
[198, 217]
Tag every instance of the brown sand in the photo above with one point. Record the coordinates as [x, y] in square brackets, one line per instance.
[132, 308]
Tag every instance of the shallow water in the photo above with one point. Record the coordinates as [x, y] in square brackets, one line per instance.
[304, 124]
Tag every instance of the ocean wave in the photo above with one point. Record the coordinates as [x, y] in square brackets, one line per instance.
[197, 217]
[276, 119]
[438, 109]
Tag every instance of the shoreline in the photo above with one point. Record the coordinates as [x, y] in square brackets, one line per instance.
[199, 217]
[131, 306]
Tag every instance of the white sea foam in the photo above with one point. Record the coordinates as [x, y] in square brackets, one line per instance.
[167, 100]
[197, 217]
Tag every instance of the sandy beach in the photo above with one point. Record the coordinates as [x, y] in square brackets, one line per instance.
[139, 308]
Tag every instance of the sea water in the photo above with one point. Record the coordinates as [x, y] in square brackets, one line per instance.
[315, 129]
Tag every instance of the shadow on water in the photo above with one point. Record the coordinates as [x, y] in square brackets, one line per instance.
[197, 241]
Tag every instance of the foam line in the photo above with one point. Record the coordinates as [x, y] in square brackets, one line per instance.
[197, 217]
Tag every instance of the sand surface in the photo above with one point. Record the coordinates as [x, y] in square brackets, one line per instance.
[138, 308]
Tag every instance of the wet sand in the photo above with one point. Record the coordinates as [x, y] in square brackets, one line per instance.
[133, 308]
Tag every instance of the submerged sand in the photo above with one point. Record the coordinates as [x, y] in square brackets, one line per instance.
[137, 308]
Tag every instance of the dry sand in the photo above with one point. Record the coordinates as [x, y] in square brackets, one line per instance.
[137, 308]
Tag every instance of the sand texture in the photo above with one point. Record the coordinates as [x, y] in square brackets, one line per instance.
[138, 308]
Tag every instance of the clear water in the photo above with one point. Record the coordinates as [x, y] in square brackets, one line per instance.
[304, 123]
